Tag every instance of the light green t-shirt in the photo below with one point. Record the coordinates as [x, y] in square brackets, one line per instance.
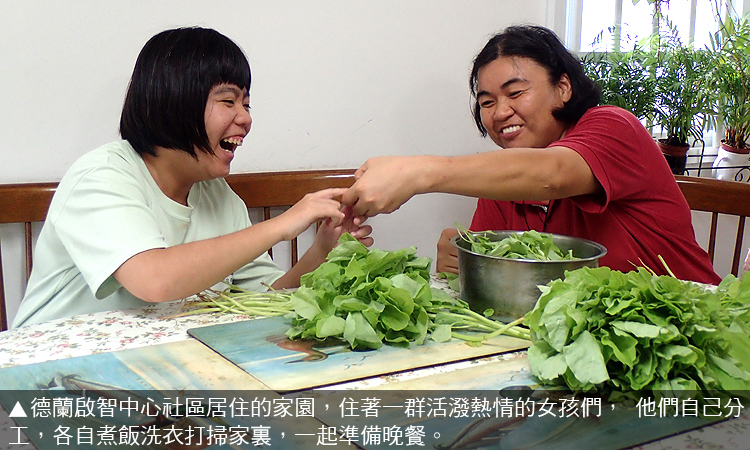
[108, 208]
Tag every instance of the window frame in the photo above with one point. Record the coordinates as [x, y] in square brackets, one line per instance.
[574, 22]
[572, 39]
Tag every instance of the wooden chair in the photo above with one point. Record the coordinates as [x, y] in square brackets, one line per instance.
[719, 197]
[22, 203]
[28, 203]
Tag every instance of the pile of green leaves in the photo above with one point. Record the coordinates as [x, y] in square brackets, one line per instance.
[368, 297]
[619, 333]
[527, 245]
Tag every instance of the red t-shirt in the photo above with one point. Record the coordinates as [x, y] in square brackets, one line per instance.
[641, 215]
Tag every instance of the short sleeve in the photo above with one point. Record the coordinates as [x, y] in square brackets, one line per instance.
[620, 152]
[102, 222]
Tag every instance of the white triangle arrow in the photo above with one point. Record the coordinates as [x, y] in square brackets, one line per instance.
[17, 411]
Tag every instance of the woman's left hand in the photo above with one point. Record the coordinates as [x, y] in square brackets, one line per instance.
[328, 234]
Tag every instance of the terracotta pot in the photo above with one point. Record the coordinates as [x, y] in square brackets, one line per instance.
[673, 150]
[676, 156]
[739, 151]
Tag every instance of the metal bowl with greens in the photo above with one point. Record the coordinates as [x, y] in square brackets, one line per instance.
[531, 245]
[502, 270]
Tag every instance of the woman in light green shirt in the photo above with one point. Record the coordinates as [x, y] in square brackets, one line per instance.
[150, 218]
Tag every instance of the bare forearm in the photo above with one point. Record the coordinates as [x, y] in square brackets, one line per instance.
[384, 184]
[512, 174]
[176, 272]
[309, 262]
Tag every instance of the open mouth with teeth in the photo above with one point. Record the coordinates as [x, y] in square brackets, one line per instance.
[230, 144]
[510, 129]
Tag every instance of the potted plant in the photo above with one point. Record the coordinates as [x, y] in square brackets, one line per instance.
[730, 79]
[684, 103]
[624, 79]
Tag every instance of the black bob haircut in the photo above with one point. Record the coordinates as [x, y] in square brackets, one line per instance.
[543, 47]
[166, 99]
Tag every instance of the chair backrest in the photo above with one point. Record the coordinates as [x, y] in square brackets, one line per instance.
[27, 203]
[719, 197]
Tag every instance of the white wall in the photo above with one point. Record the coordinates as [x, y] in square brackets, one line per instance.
[334, 82]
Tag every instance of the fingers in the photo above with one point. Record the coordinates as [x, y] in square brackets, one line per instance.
[446, 263]
[367, 242]
[332, 193]
[361, 232]
[353, 196]
[350, 197]
[447, 254]
[326, 205]
[353, 218]
[362, 169]
[448, 233]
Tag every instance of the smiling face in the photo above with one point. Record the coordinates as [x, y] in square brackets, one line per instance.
[516, 99]
[228, 121]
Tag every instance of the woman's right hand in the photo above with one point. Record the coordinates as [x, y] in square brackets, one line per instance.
[385, 183]
[447, 254]
[311, 208]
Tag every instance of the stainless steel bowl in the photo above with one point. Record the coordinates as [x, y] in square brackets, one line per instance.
[509, 286]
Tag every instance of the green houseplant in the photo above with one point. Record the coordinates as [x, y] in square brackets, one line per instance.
[684, 102]
[730, 80]
[624, 79]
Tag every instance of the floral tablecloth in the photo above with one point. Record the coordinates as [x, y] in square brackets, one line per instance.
[102, 332]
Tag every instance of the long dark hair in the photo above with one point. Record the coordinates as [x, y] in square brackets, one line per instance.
[545, 48]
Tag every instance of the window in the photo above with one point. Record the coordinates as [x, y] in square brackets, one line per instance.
[597, 25]
[606, 25]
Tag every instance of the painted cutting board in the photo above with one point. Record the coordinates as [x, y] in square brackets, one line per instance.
[143, 377]
[260, 347]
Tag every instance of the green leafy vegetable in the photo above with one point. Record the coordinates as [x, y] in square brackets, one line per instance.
[452, 279]
[365, 297]
[619, 333]
[527, 245]
[368, 297]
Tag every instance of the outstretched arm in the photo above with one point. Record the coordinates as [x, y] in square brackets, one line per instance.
[384, 184]
[176, 272]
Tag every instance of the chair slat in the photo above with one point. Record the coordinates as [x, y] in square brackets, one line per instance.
[3, 312]
[294, 251]
[738, 246]
[22, 203]
[719, 197]
[712, 235]
[28, 238]
[266, 216]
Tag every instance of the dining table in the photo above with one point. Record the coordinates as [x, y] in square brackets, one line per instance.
[168, 344]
